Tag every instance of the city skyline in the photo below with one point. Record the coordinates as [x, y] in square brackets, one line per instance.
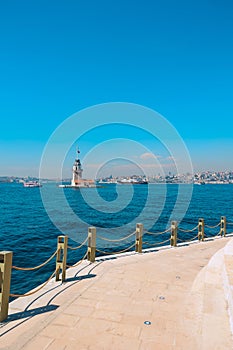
[58, 59]
[204, 177]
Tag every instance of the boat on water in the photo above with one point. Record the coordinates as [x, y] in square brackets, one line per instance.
[32, 184]
[200, 183]
[132, 181]
[107, 182]
[123, 181]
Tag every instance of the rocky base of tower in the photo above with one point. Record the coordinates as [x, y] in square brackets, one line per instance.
[83, 183]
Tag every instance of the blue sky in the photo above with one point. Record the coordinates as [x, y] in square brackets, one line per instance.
[58, 57]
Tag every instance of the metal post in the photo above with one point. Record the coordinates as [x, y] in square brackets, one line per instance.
[91, 244]
[174, 229]
[138, 238]
[5, 282]
[61, 257]
[223, 226]
[201, 230]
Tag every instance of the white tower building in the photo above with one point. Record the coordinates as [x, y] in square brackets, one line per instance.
[77, 172]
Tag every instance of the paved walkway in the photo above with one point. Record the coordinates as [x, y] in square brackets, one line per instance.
[184, 293]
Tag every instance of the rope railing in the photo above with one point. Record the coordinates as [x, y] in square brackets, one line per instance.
[222, 230]
[218, 234]
[187, 240]
[78, 263]
[157, 243]
[117, 252]
[182, 230]
[209, 235]
[215, 226]
[214, 235]
[157, 233]
[79, 246]
[116, 240]
[35, 267]
[35, 290]
[90, 254]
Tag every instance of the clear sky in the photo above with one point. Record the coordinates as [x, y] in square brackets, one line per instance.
[58, 57]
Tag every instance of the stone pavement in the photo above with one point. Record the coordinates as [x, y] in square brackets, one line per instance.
[183, 294]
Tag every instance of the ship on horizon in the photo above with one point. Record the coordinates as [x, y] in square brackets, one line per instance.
[129, 180]
[32, 184]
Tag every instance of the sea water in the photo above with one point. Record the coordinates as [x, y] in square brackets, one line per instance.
[31, 220]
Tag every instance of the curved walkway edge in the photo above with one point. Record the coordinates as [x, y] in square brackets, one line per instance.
[179, 298]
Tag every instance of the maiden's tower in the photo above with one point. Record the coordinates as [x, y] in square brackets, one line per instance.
[77, 180]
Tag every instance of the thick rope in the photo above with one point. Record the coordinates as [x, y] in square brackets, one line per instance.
[218, 234]
[36, 290]
[36, 267]
[116, 240]
[208, 226]
[188, 240]
[209, 236]
[113, 253]
[158, 233]
[181, 230]
[157, 243]
[79, 246]
[78, 263]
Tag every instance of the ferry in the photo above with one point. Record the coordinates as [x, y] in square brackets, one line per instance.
[107, 182]
[32, 184]
[200, 183]
[133, 182]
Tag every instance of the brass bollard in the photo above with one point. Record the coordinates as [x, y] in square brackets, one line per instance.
[61, 257]
[138, 238]
[223, 226]
[201, 230]
[174, 229]
[91, 244]
[5, 282]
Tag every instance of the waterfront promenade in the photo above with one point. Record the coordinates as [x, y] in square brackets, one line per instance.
[175, 298]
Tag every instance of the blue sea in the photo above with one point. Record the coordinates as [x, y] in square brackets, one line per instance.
[32, 218]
